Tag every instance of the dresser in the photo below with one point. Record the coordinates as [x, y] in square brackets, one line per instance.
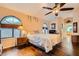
[75, 39]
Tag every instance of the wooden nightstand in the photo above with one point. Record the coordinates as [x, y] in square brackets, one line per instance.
[22, 42]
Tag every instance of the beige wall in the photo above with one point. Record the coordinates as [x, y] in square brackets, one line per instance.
[32, 25]
[28, 25]
[76, 20]
[73, 19]
[8, 42]
[59, 21]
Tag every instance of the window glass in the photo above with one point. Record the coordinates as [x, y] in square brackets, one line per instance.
[11, 20]
[6, 32]
[16, 33]
[69, 28]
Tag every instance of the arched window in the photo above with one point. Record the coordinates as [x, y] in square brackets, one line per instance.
[11, 20]
[8, 27]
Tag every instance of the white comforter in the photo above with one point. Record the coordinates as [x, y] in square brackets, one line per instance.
[44, 40]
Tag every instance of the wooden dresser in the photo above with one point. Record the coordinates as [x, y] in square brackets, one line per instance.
[75, 39]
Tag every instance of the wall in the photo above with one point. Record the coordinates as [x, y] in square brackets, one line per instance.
[76, 20]
[58, 22]
[28, 25]
[8, 42]
[73, 19]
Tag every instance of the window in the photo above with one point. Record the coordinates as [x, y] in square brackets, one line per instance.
[10, 32]
[10, 20]
[17, 33]
[69, 28]
[6, 32]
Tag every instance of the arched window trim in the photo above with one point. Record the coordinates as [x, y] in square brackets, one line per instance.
[11, 16]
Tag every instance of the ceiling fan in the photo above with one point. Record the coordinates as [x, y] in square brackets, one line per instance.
[57, 8]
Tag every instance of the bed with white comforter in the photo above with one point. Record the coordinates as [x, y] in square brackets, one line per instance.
[47, 41]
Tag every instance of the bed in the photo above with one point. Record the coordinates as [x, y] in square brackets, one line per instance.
[47, 41]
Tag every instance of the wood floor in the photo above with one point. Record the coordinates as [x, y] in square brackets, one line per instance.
[31, 50]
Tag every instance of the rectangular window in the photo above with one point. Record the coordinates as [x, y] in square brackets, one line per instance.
[9, 33]
[6, 32]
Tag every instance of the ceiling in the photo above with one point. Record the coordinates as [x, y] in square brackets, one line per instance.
[36, 9]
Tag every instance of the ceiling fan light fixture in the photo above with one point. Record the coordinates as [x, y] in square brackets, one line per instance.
[56, 11]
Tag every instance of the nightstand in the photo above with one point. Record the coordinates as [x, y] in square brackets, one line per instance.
[22, 42]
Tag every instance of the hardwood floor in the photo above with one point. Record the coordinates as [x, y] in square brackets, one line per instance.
[31, 50]
[27, 51]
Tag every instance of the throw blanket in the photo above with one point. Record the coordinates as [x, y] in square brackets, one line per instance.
[44, 40]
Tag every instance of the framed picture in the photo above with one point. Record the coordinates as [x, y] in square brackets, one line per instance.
[53, 26]
[75, 27]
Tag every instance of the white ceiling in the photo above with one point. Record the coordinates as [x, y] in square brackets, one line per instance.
[36, 9]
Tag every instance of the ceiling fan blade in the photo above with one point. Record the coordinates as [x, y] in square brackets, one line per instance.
[48, 13]
[62, 4]
[56, 4]
[66, 9]
[47, 8]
